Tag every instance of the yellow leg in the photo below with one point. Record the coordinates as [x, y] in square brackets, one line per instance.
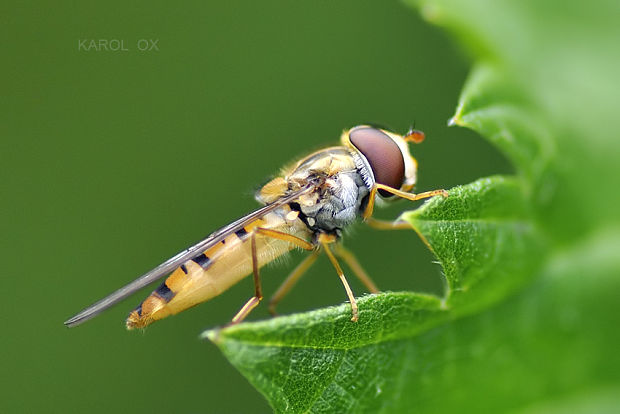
[258, 292]
[291, 280]
[351, 261]
[325, 240]
[370, 207]
[387, 225]
[408, 196]
[299, 242]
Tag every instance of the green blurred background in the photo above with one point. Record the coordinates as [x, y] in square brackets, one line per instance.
[112, 161]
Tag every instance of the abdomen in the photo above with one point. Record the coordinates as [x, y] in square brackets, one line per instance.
[211, 273]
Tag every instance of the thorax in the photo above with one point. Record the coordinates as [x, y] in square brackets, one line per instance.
[340, 193]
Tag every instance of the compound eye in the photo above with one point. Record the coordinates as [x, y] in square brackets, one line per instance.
[383, 155]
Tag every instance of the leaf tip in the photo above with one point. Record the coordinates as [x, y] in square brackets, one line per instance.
[212, 335]
[456, 120]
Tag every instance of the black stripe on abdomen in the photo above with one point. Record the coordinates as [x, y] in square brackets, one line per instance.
[164, 292]
[241, 233]
[202, 260]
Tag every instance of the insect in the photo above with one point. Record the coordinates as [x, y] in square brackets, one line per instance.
[308, 206]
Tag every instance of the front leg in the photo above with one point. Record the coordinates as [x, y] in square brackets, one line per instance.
[402, 194]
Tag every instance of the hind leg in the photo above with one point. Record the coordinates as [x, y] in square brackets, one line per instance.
[258, 290]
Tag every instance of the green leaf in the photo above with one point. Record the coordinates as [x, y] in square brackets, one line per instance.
[544, 90]
[485, 239]
[393, 360]
[499, 110]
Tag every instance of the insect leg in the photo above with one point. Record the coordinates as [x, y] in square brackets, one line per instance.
[297, 241]
[387, 225]
[351, 261]
[258, 290]
[290, 281]
[325, 240]
[258, 293]
[409, 196]
[371, 203]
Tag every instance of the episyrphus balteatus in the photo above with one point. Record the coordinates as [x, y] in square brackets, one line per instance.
[306, 207]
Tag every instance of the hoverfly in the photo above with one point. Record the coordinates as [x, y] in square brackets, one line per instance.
[306, 207]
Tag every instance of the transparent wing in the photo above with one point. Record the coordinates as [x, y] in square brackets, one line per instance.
[169, 265]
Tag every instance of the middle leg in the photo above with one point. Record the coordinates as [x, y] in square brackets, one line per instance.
[291, 280]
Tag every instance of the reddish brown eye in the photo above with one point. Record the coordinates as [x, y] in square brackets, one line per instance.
[383, 155]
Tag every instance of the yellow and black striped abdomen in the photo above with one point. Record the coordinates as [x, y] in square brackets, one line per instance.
[217, 269]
